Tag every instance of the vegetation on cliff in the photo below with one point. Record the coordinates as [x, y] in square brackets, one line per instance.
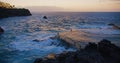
[6, 5]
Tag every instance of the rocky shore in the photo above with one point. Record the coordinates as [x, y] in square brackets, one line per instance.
[103, 52]
[11, 12]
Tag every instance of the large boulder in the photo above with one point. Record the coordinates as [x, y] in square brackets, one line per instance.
[1, 30]
[45, 17]
[109, 51]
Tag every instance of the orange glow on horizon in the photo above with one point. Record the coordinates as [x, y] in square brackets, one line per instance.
[71, 5]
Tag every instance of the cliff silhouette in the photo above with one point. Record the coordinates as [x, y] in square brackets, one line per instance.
[7, 10]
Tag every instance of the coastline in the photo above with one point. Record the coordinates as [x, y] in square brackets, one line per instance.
[103, 52]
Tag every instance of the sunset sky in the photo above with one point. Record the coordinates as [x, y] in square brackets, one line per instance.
[71, 5]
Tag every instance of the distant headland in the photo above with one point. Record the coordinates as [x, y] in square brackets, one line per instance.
[7, 10]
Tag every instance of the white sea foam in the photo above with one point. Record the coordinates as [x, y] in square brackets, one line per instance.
[29, 49]
[102, 31]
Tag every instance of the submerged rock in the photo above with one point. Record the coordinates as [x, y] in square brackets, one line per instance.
[36, 40]
[103, 52]
[1, 30]
[53, 37]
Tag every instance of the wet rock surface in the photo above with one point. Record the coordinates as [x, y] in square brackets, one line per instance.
[1, 30]
[103, 52]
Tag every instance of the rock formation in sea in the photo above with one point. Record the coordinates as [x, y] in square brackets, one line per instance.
[114, 26]
[7, 10]
[103, 52]
[1, 30]
[45, 17]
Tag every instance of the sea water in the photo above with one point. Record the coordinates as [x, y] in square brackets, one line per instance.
[17, 44]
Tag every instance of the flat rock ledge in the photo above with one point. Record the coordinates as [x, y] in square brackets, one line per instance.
[103, 52]
[76, 38]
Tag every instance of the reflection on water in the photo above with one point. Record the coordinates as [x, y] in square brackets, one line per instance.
[17, 45]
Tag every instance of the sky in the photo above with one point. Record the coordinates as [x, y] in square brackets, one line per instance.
[71, 5]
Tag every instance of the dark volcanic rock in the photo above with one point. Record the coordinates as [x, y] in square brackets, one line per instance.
[109, 51]
[103, 52]
[45, 17]
[114, 26]
[38, 60]
[11, 12]
[1, 30]
[36, 40]
[91, 46]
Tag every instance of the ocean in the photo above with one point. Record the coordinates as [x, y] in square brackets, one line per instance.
[18, 43]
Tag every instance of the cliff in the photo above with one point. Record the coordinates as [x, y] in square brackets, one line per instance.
[7, 10]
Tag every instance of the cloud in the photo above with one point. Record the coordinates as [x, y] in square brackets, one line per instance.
[45, 8]
[114, 0]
